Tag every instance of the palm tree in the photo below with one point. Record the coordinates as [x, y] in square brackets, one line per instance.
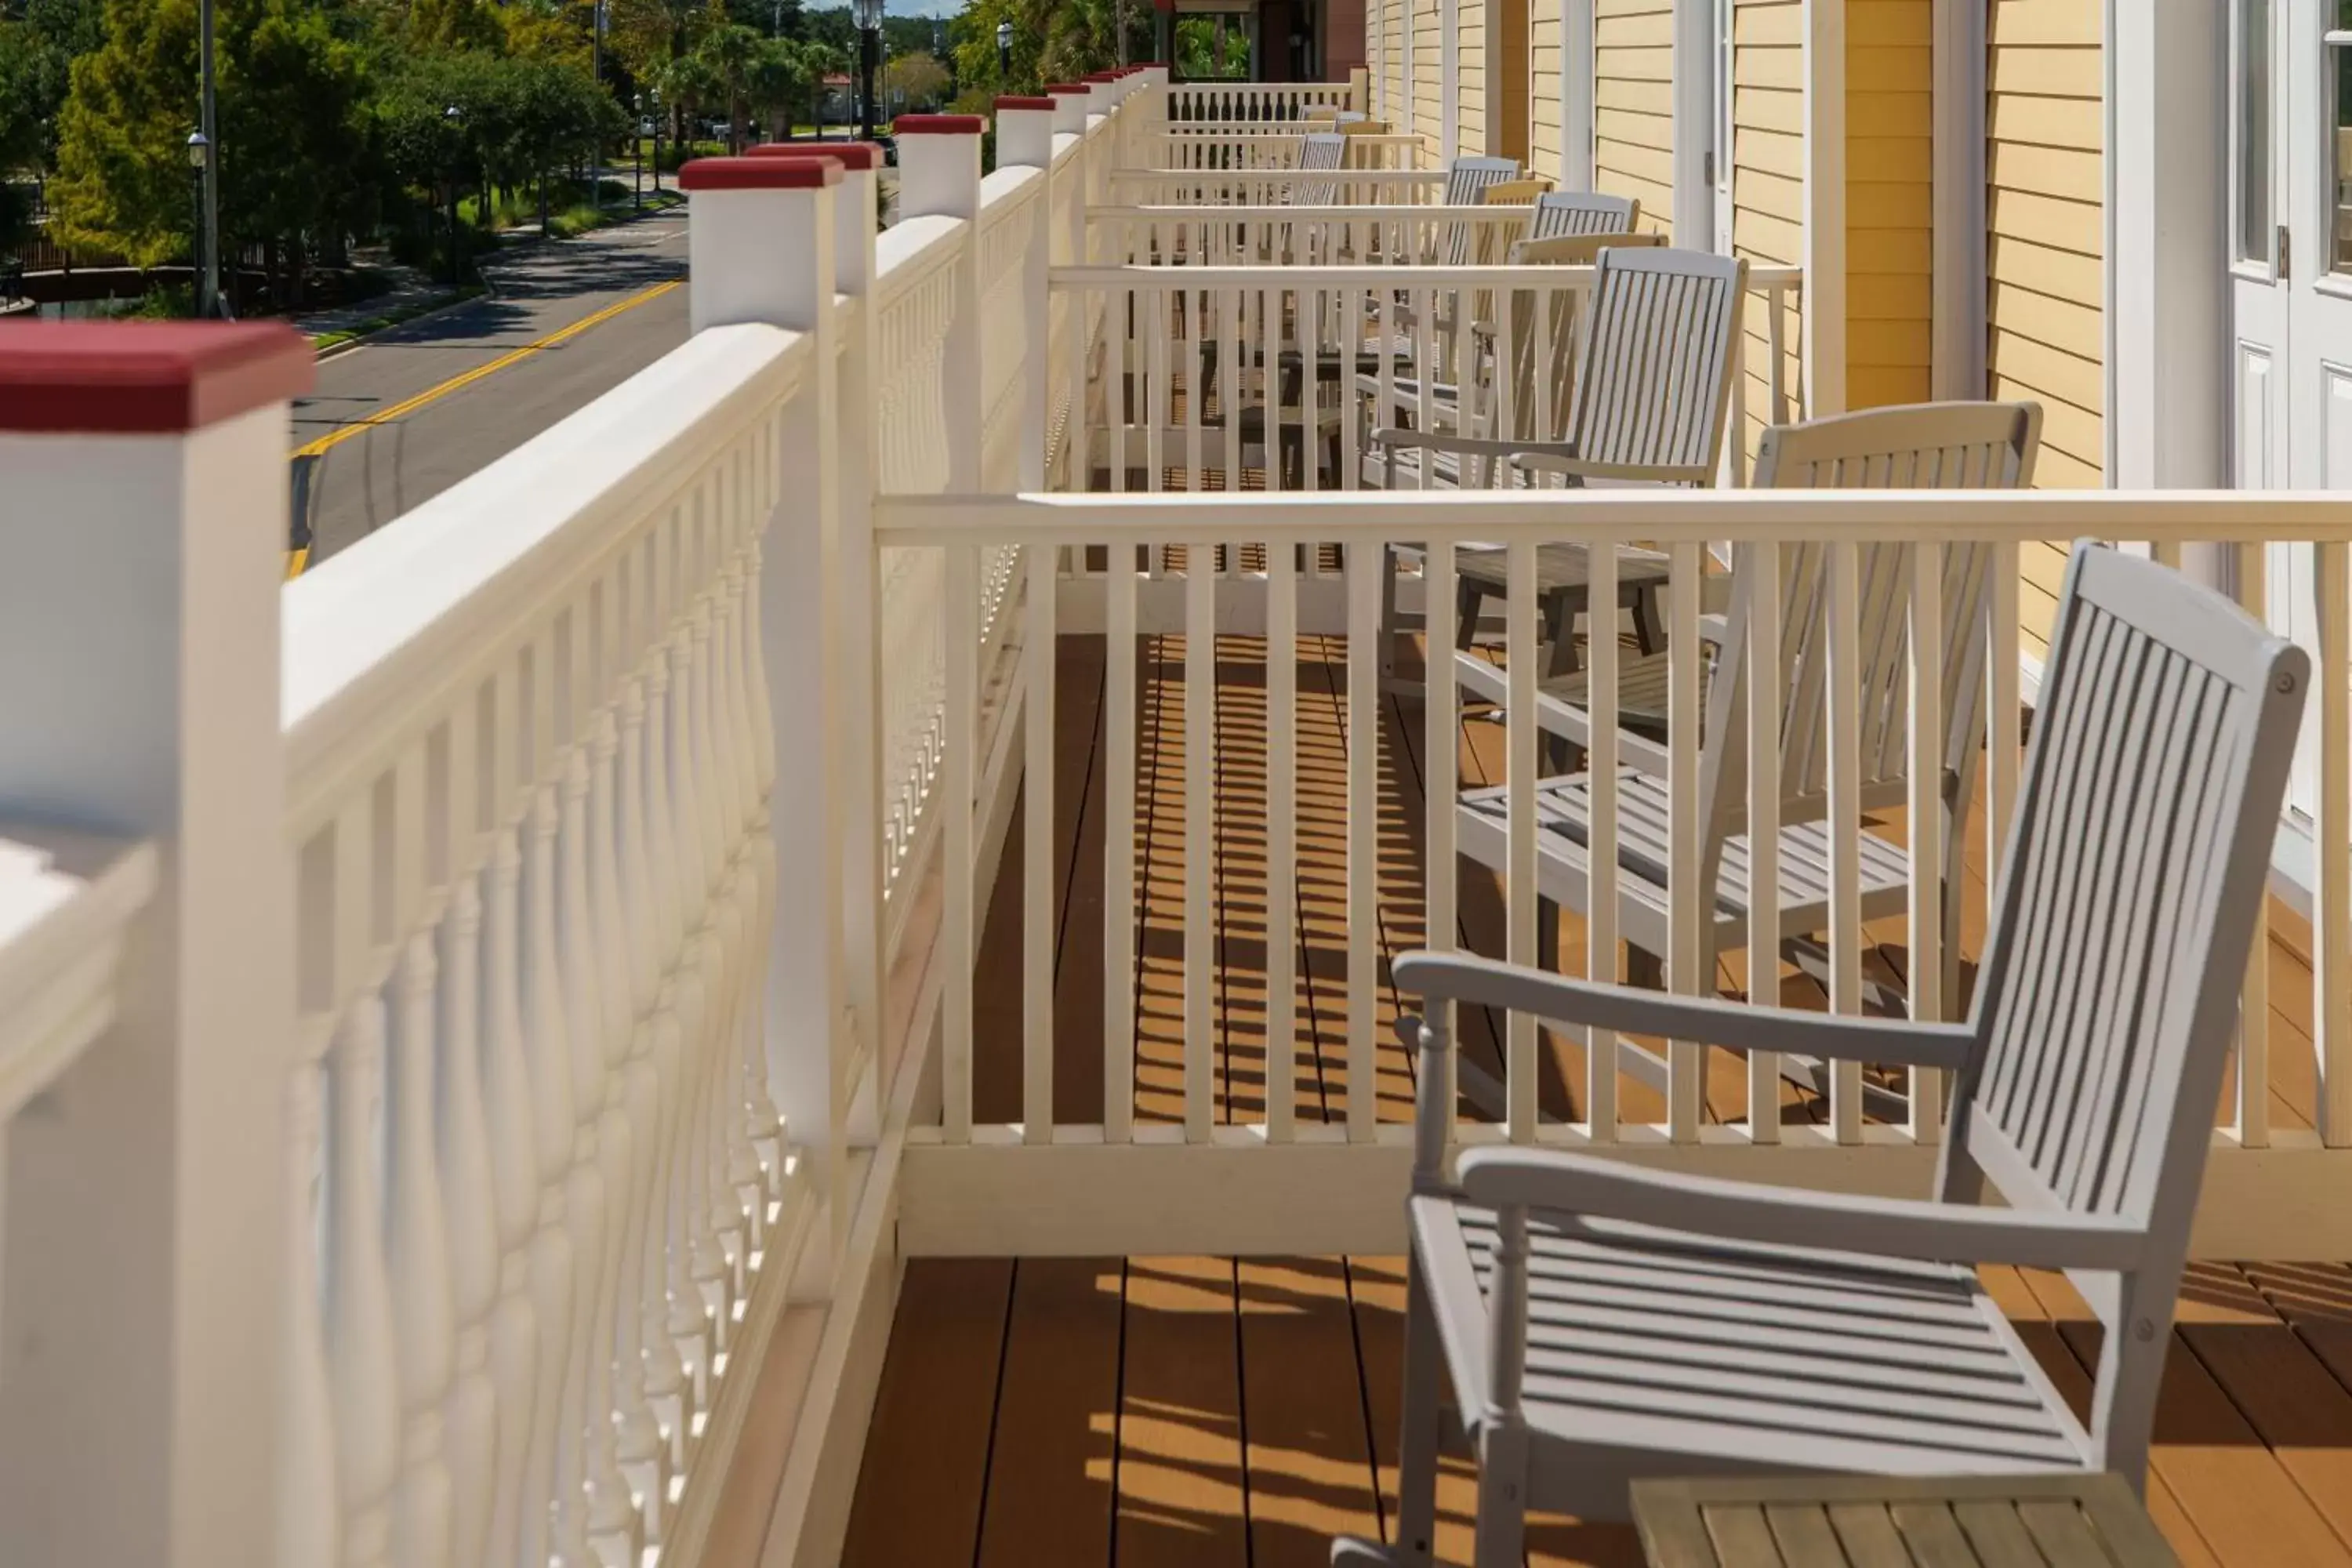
[730, 54]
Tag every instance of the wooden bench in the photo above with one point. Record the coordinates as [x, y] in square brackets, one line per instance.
[1898, 1522]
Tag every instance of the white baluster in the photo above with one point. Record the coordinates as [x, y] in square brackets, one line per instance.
[684, 1322]
[307, 1521]
[620, 1377]
[648, 1360]
[515, 1184]
[360, 1346]
[472, 1417]
[595, 1502]
[546, 1482]
[418, 1246]
[707, 1260]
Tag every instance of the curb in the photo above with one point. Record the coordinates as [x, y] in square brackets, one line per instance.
[348, 344]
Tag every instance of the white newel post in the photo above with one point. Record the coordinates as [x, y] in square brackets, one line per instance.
[939, 176]
[143, 526]
[1024, 139]
[857, 213]
[761, 232]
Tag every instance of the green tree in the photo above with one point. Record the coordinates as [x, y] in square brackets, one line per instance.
[294, 146]
[914, 81]
[778, 87]
[728, 54]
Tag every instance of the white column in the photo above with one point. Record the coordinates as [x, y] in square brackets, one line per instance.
[1824, 241]
[1449, 79]
[1024, 139]
[1070, 113]
[856, 215]
[1694, 67]
[142, 542]
[763, 248]
[939, 176]
[1576, 94]
[2167, 390]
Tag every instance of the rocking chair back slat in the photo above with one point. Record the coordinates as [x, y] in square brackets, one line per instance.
[1322, 150]
[2106, 1009]
[1584, 212]
[1653, 391]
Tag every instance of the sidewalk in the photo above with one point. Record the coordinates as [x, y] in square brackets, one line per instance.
[412, 293]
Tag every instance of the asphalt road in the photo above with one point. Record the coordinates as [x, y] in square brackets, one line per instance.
[395, 432]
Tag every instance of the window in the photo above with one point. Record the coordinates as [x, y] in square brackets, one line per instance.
[2257, 231]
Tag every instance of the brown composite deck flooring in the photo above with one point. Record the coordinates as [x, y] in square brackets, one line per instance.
[1215, 1412]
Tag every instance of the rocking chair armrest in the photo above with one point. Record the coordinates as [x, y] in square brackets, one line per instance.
[1486, 982]
[1615, 1193]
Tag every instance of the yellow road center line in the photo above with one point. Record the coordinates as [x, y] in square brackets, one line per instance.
[399, 411]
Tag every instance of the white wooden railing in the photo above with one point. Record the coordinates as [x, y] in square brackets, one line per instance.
[1177, 1166]
[1194, 327]
[1256, 102]
[1165, 186]
[1253, 149]
[554, 1014]
[567, 874]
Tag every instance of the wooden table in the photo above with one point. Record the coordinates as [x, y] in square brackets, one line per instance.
[1869, 1521]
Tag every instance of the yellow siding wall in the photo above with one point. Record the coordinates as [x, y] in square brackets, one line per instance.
[1547, 92]
[1470, 74]
[1890, 200]
[1633, 72]
[1768, 188]
[1428, 103]
[2044, 251]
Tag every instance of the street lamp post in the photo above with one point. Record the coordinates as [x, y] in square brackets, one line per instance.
[638, 152]
[868, 14]
[658, 124]
[455, 118]
[208, 177]
[1005, 52]
[199, 159]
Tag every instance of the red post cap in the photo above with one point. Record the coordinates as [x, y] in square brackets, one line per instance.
[759, 173]
[1101, 76]
[1004, 103]
[848, 154]
[940, 125]
[1068, 88]
[146, 378]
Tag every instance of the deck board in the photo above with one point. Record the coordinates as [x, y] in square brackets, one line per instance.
[1204, 1412]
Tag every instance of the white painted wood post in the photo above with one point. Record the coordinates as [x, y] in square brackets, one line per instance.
[142, 540]
[939, 176]
[1024, 139]
[2168, 213]
[857, 214]
[1695, 50]
[762, 239]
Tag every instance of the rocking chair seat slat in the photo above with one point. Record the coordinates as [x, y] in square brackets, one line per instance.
[1735, 1356]
[1564, 812]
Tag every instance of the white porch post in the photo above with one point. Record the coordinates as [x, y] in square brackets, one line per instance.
[1694, 158]
[939, 176]
[2168, 298]
[761, 248]
[856, 205]
[143, 540]
[1024, 139]
[1449, 80]
[1824, 242]
[1576, 94]
[1956, 351]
